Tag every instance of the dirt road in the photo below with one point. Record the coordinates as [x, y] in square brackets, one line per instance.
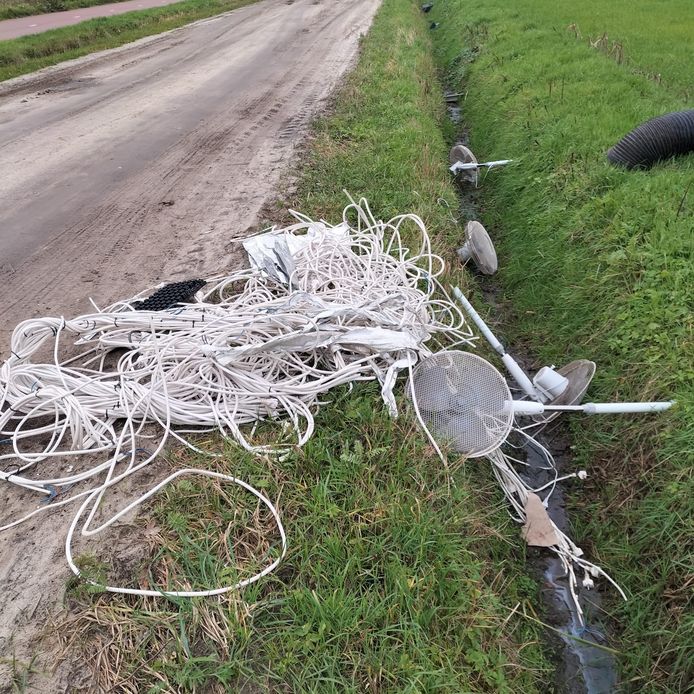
[23, 26]
[139, 165]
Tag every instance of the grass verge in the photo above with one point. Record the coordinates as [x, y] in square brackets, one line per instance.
[597, 262]
[653, 40]
[9, 9]
[29, 53]
[393, 581]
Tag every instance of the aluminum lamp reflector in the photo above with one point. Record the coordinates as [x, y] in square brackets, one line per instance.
[479, 248]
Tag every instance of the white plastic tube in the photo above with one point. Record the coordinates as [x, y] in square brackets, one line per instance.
[526, 407]
[626, 407]
[520, 377]
[511, 364]
[463, 166]
[477, 320]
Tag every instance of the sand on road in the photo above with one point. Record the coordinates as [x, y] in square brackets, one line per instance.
[206, 117]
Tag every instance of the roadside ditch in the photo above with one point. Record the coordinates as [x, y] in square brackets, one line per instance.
[579, 648]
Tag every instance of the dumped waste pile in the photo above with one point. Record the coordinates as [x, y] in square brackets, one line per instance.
[319, 307]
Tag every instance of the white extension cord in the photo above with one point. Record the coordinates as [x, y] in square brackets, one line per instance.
[356, 304]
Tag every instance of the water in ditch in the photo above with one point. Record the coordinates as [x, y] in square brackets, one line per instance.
[584, 663]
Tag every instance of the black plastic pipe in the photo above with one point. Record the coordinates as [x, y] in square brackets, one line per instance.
[657, 139]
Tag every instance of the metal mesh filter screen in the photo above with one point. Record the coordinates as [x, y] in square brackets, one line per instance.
[463, 400]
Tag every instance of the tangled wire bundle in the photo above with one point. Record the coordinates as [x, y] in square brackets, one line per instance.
[321, 306]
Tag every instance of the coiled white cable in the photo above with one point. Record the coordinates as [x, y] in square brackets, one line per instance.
[353, 304]
[93, 499]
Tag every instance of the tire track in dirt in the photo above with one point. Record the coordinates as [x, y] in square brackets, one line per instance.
[187, 117]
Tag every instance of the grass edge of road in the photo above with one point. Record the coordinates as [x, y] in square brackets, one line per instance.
[29, 53]
[393, 581]
[31, 9]
[595, 262]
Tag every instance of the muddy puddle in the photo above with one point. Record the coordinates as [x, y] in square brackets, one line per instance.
[579, 650]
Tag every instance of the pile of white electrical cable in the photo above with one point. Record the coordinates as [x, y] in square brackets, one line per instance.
[320, 306]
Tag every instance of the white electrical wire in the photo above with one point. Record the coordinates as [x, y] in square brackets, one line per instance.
[93, 499]
[351, 303]
[517, 490]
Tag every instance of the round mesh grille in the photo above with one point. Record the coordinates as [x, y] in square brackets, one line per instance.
[463, 400]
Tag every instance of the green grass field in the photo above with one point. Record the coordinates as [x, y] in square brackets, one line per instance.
[651, 38]
[29, 53]
[598, 262]
[395, 580]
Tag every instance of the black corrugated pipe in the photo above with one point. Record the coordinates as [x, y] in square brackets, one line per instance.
[657, 139]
